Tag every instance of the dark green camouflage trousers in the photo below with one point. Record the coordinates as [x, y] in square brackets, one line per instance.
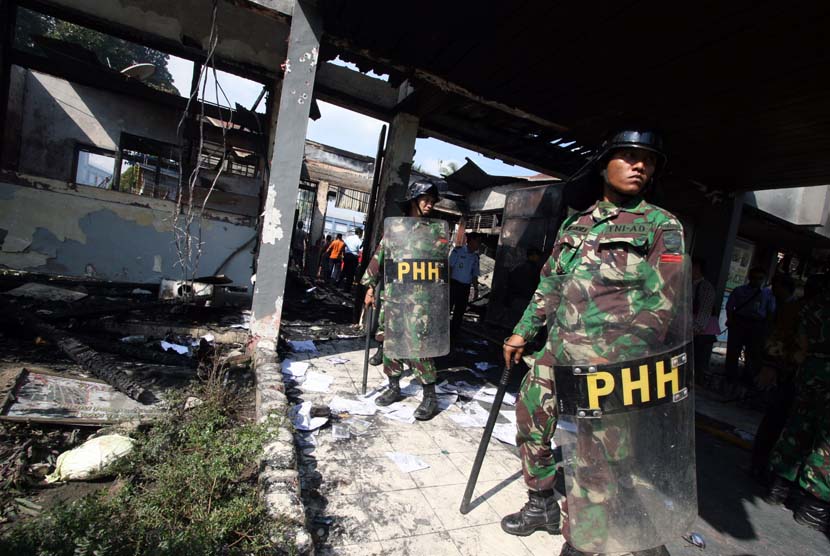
[592, 488]
[803, 452]
[423, 369]
[536, 417]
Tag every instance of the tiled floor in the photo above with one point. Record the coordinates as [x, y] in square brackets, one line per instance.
[375, 508]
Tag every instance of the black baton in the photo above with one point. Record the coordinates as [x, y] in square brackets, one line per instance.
[485, 440]
[369, 323]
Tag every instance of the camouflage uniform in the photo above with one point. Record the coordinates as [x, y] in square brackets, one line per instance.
[412, 311]
[803, 451]
[603, 270]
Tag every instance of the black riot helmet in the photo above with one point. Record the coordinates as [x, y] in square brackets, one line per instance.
[632, 139]
[584, 186]
[415, 190]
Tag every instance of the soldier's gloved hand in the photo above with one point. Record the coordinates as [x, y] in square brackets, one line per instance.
[369, 299]
[514, 347]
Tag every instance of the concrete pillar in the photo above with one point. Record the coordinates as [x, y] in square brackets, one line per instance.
[318, 223]
[715, 239]
[397, 166]
[7, 24]
[286, 165]
[318, 219]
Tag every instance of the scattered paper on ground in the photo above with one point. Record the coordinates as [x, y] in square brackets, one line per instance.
[488, 394]
[339, 431]
[463, 389]
[337, 360]
[317, 382]
[294, 368]
[407, 463]
[181, 350]
[473, 416]
[302, 419]
[354, 407]
[506, 432]
[301, 346]
[400, 412]
[445, 401]
[509, 415]
[358, 427]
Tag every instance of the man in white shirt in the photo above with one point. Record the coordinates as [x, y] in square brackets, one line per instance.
[354, 243]
[464, 273]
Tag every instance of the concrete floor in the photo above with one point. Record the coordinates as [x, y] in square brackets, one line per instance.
[369, 506]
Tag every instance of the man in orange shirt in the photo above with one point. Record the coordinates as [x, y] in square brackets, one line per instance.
[335, 254]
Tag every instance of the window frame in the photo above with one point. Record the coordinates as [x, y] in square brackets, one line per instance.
[92, 149]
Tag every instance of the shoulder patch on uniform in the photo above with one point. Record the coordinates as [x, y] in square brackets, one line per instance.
[578, 228]
[673, 240]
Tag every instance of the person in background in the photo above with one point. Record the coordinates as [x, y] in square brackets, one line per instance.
[298, 245]
[748, 311]
[334, 253]
[778, 370]
[421, 197]
[800, 461]
[324, 270]
[354, 242]
[703, 303]
[464, 273]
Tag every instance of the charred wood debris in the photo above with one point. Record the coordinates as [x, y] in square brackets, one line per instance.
[102, 332]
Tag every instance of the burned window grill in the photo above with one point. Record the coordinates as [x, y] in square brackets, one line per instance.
[148, 167]
[350, 199]
[236, 161]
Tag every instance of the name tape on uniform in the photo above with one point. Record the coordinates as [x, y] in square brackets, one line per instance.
[416, 270]
[594, 391]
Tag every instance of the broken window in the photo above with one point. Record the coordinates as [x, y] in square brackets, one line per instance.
[306, 198]
[351, 199]
[94, 166]
[236, 161]
[148, 167]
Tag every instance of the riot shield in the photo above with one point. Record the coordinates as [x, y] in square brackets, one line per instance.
[621, 340]
[531, 219]
[416, 293]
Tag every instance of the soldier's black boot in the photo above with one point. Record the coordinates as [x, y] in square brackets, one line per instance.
[812, 512]
[429, 405]
[540, 513]
[569, 550]
[392, 394]
[377, 358]
[779, 490]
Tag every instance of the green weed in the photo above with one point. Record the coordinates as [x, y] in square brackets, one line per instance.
[189, 487]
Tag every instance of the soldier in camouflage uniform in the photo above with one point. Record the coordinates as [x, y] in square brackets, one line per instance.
[619, 234]
[802, 454]
[421, 197]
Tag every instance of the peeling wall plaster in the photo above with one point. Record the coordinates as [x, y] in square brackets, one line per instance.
[58, 114]
[65, 233]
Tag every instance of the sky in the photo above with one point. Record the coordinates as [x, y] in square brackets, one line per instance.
[343, 128]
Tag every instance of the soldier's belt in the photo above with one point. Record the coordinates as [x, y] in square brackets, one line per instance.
[415, 270]
[592, 391]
